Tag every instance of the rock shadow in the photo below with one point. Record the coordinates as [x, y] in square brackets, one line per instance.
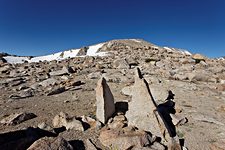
[22, 139]
[121, 107]
[77, 144]
[84, 124]
[165, 109]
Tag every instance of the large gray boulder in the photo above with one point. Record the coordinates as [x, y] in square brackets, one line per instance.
[104, 101]
[142, 108]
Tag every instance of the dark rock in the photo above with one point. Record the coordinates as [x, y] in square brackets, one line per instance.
[17, 118]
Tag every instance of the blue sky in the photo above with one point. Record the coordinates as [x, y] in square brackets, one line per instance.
[39, 27]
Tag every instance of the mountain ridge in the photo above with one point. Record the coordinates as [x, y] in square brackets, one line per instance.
[100, 49]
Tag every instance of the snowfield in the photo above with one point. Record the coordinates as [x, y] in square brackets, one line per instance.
[185, 52]
[92, 51]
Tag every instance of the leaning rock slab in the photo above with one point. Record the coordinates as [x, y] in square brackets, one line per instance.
[142, 107]
[50, 143]
[17, 118]
[105, 101]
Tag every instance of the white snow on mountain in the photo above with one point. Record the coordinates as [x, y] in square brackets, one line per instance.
[15, 59]
[135, 40]
[221, 58]
[92, 51]
[185, 52]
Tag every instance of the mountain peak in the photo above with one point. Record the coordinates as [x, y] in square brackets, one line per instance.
[118, 46]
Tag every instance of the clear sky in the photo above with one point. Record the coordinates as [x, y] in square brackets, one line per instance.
[39, 27]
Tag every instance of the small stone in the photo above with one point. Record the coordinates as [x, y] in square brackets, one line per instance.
[98, 125]
[55, 90]
[66, 101]
[63, 119]
[45, 126]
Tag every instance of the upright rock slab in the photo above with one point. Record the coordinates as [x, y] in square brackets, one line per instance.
[104, 101]
[142, 107]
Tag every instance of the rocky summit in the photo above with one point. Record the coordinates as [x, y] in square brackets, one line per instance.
[118, 95]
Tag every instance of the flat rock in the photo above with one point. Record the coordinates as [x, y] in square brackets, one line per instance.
[17, 118]
[64, 71]
[49, 82]
[23, 94]
[55, 90]
[51, 143]
[126, 138]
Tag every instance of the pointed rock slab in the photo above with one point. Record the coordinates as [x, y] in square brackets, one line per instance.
[142, 108]
[105, 101]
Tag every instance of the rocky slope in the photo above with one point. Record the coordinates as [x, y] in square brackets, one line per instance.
[70, 101]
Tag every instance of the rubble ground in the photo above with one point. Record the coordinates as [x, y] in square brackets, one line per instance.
[47, 89]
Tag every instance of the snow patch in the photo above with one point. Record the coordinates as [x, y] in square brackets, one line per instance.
[135, 40]
[168, 49]
[184, 52]
[221, 58]
[93, 50]
[14, 59]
